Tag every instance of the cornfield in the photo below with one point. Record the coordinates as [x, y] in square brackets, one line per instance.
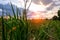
[20, 29]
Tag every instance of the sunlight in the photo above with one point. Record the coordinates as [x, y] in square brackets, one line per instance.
[36, 16]
[35, 7]
[38, 21]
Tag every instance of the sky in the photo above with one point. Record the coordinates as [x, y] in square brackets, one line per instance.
[38, 8]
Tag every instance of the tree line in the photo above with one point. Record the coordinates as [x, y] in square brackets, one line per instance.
[57, 17]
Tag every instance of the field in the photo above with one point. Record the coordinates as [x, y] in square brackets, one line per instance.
[14, 28]
[18, 29]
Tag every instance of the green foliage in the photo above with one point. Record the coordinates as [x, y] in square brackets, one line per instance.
[59, 14]
[55, 18]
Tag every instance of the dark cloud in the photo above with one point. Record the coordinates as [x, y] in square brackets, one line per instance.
[36, 1]
[45, 2]
[52, 6]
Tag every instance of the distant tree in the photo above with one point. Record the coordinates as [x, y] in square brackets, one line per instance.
[59, 14]
[46, 19]
[55, 18]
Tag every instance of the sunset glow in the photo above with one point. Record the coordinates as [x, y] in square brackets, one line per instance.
[37, 16]
[45, 7]
[37, 21]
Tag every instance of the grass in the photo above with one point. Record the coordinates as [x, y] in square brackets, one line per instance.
[20, 29]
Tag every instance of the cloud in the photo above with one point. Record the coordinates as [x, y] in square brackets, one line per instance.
[54, 5]
[46, 2]
[36, 1]
[51, 9]
[0, 9]
[0, 12]
[4, 1]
